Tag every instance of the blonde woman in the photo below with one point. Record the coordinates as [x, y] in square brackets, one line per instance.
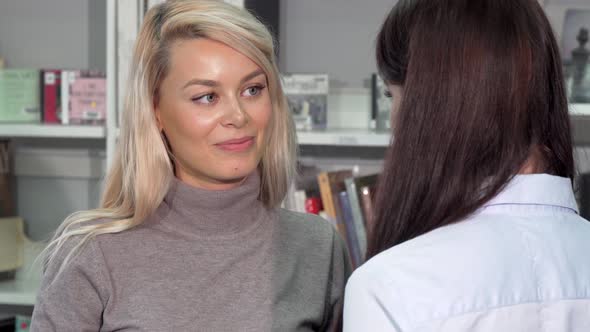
[189, 236]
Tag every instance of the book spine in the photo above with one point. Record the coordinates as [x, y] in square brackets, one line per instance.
[326, 195]
[339, 218]
[51, 80]
[367, 204]
[357, 215]
[42, 95]
[351, 236]
[65, 96]
[88, 99]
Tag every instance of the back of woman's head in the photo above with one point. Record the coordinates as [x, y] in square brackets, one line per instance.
[483, 94]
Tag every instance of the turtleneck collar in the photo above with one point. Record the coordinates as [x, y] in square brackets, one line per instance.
[210, 213]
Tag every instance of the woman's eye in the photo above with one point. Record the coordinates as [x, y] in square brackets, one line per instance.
[253, 91]
[206, 99]
[387, 94]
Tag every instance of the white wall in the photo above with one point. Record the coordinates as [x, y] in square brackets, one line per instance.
[41, 34]
[53, 34]
[332, 36]
[338, 36]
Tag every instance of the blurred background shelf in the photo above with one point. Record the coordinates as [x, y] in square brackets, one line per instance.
[344, 137]
[51, 131]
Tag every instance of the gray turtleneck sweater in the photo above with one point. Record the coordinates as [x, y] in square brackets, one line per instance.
[204, 261]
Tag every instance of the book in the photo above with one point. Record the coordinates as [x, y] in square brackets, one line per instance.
[380, 105]
[51, 95]
[357, 214]
[307, 95]
[367, 193]
[19, 95]
[64, 113]
[88, 99]
[83, 97]
[330, 184]
[351, 235]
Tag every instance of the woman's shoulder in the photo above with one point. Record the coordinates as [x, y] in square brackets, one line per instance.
[306, 228]
[306, 222]
[93, 238]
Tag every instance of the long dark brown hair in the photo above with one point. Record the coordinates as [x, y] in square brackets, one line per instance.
[482, 92]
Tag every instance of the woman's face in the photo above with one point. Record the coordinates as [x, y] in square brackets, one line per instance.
[213, 107]
[395, 91]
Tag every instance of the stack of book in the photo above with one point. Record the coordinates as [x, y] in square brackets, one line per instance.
[346, 201]
[73, 97]
[52, 96]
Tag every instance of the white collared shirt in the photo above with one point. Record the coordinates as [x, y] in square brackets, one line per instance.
[520, 263]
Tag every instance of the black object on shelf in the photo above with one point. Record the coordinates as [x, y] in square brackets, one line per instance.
[7, 323]
[267, 11]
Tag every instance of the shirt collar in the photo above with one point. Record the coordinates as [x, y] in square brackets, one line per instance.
[537, 189]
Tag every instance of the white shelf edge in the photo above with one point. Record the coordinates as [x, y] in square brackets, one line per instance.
[47, 131]
[579, 109]
[580, 114]
[344, 137]
[19, 292]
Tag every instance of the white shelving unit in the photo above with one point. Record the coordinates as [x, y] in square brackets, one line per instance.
[580, 116]
[22, 290]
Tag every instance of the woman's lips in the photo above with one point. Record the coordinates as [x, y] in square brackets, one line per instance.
[236, 145]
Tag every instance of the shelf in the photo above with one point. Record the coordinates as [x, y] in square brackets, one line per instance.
[579, 113]
[579, 110]
[51, 131]
[19, 292]
[23, 289]
[344, 137]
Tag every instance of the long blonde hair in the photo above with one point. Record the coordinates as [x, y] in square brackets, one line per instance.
[142, 169]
